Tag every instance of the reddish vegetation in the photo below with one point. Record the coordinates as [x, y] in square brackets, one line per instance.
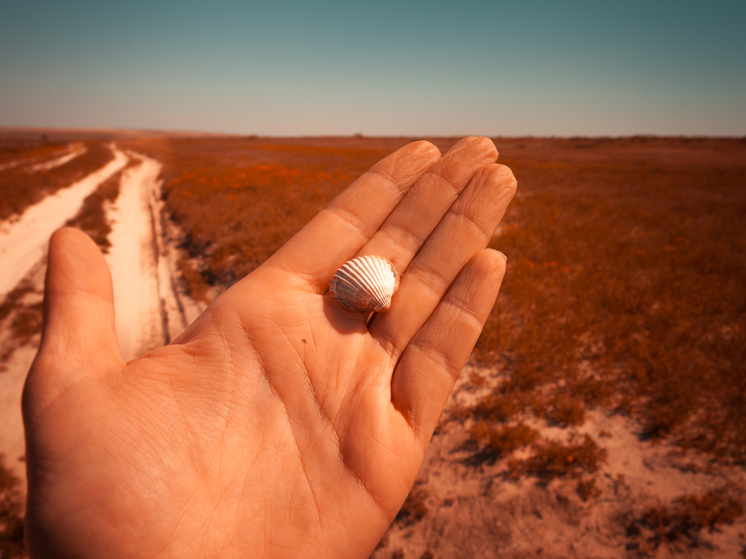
[237, 201]
[626, 265]
[414, 507]
[11, 515]
[23, 317]
[92, 215]
[496, 442]
[29, 150]
[684, 521]
[624, 291]
[625, 288]
[21, 188]
[552, 459]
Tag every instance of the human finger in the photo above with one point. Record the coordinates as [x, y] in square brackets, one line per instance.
[78, 335]
[407, 228]
[429, 367]
[464, 230]
[338, 232]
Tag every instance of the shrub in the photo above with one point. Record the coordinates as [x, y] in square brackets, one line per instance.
[497, 442]
[553, 459]
[565, 410]
[414, 508]
[498, 407]
[587, 489]
[23, 318]
[685, 519]
[11, 515]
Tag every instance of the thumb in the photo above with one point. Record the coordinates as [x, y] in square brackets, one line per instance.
[78, 338]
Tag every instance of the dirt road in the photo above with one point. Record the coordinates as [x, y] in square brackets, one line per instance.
[149, 312]
[36, 164]
[23, 242]
[76, 149]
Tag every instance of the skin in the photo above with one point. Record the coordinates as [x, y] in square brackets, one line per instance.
[277, 424]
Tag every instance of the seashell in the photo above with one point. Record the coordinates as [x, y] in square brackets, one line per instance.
[365, 284]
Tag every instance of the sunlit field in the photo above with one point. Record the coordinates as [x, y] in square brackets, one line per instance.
[622, 314]
[626, 290]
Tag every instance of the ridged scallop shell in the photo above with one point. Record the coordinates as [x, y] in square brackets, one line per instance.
[365, 284]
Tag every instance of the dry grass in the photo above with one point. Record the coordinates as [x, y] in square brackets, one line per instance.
[414, 507]
[625, 289]
[11, 515]
[495, 442]
[587, 489]
[239, 200]
[28, 151]
[92, 215]
[21, 316]
[682, 523]
[624, 285]
[553, 459]
[21, 189]
[627, 261]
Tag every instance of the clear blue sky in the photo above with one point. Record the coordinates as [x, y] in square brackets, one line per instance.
[379, 67]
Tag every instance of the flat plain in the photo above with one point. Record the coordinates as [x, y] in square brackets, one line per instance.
[603, 411]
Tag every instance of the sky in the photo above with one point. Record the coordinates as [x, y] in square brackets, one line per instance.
[413, 68]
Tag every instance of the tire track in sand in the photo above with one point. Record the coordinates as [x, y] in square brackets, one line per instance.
[23, 242]
[149, 311]
[23, 249]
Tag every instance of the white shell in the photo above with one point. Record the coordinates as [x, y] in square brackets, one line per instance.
[365, 284]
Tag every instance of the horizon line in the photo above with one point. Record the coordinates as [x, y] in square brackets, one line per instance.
[186, 133]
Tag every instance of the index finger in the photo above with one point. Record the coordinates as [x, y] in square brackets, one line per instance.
[339, 231]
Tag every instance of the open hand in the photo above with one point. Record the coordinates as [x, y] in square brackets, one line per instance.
[278, 424]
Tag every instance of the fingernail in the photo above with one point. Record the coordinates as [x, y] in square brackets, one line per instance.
[501, 254]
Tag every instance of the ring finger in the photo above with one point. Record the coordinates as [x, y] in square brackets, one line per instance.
[464, 230]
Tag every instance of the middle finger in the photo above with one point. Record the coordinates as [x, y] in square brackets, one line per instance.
[464, 231]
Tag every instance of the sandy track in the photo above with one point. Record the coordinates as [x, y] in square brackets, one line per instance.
[148, 311]
[76, 150]
[23, 242]
[68, 154]
[23, 248]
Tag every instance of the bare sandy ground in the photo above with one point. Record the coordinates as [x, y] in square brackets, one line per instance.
[478, 511]
[23, 241]
[149, 312]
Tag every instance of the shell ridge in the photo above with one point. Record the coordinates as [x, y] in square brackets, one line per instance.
[386, 273]
[347, 291]
[374, 273]
[381, 273]
[355, 283]
[354, 277]
[364, 273]
[364, 284]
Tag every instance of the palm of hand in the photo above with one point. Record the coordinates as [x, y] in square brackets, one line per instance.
[277, 424]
